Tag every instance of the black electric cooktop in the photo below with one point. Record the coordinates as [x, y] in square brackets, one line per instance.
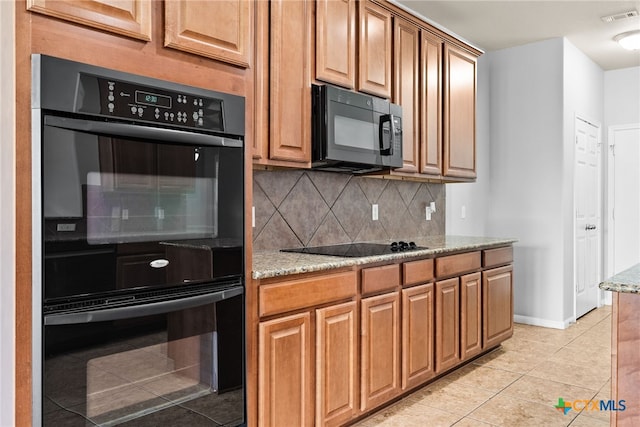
[353, 250]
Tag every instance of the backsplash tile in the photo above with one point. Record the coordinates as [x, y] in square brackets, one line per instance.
[311, 208]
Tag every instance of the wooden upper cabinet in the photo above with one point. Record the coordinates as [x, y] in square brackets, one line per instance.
[290, 81]
[336, 42]
[130, 18]
[431, 105]
[459, 113]
[218, 29]
[406, 43]
[374, 52]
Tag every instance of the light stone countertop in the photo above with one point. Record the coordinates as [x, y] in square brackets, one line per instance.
[272, 263]
[627, 281]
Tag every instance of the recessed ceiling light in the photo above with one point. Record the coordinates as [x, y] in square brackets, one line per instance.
[629, 40]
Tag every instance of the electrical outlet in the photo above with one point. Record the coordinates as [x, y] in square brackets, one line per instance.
[427, 213]
[432, 205]
[374, 212]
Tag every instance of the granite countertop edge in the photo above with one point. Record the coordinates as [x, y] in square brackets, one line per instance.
[273, 263]
[627, 281]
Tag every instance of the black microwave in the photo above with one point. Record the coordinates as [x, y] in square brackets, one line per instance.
[353, 132]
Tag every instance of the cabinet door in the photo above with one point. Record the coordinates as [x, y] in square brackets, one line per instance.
[447, 345]
[470, 315]
[380, 366]
[459, 113]
[431, 105]
[406, 89]
[126, 17]
[374, 52]
[284, 372]
[290, 81]
[216, 29]
[336, 364]
[417, 335]
[497, 305]
[336, 42]
[261, 83]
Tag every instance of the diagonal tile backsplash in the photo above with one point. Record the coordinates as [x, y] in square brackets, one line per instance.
[308, 208]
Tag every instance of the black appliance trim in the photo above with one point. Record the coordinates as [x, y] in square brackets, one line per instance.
[141, 131]
[142, 307]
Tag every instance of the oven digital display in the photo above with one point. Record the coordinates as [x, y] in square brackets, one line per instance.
[153, 99]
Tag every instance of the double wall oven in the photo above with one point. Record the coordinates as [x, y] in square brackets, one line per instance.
[138, 265]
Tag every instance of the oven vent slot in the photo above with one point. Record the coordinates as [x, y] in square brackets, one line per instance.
[138, 298]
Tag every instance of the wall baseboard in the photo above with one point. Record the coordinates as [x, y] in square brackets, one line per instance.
[545, 323]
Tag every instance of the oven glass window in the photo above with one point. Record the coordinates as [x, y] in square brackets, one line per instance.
[123, 214]
[180, 368]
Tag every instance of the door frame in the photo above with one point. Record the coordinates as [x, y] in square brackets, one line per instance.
[610, 202]
[599, 200]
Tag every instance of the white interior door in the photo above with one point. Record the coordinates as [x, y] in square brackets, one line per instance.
[587, 222]
[625, 228]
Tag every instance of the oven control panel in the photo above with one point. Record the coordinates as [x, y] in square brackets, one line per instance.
[133, 101]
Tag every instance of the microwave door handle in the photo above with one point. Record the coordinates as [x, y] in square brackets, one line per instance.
[144, 132]
[140, 310]
[388, 151]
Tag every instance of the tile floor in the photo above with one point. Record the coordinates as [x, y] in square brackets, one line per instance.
[519, 383]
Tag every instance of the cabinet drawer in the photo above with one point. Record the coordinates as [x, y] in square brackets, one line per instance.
[416, 272]
[497, 256]
[377, 279]
[453, 265]
[306, 292]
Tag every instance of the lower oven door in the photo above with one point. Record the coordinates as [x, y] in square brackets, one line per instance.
[176, 362]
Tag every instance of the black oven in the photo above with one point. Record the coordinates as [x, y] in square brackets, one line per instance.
[138, 249]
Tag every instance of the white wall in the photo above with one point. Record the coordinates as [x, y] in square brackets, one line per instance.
[622, 96]
[7, 216]
[584, 97]
[473, 196]
[526, 173]
[528, 97]
[621, 107]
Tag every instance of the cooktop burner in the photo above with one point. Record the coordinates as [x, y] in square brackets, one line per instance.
[353, 250]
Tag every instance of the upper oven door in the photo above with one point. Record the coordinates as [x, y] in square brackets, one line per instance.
[128, 207]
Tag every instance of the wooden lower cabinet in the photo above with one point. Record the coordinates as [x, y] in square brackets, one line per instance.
[470, 315]
[343, 354]
[447, 346]
[336, 364]
[497, 305]
[417, 335]
[285, 372]
[380, 349]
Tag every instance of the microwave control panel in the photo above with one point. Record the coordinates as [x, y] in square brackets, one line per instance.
[124, 100]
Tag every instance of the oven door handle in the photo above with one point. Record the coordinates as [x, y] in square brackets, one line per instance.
[141, 310]
[143, 132]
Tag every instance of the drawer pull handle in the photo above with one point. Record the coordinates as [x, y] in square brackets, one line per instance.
[159, 263]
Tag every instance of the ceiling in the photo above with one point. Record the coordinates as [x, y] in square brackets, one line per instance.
[493, 25]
